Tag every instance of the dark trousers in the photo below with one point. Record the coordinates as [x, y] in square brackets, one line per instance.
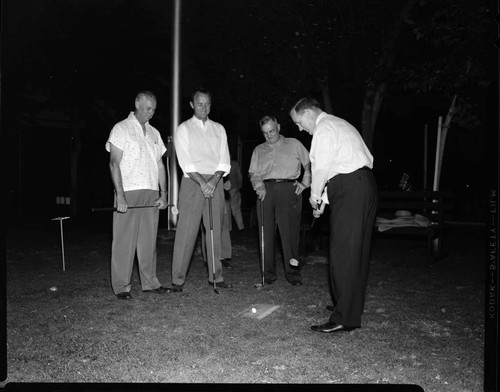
[282, 207]
[353, 203]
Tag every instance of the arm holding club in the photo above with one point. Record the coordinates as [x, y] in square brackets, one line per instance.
[213, 181]
[255, 176]
[306, 177]
[261, 192]
[198, 178]
[162, 202]
[319, 205]
[116, 176]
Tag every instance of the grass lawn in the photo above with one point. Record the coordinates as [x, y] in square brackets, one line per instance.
[422, 324]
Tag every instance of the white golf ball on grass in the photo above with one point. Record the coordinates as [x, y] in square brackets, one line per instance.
[294, 262]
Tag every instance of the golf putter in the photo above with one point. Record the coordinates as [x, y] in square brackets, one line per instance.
[212, 242]
[319, 207]
[262, 240]
[103, 209]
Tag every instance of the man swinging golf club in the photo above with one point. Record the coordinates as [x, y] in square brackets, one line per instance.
[341, 160]
[203, 155]
[274, 171]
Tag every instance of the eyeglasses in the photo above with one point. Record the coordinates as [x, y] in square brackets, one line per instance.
[270, 133]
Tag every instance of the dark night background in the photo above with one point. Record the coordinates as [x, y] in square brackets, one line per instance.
[71, 69]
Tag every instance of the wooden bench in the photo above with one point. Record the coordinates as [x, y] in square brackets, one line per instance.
[431, 206]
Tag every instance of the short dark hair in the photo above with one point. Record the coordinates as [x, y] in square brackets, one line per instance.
[264, 120]
[145, 93]
[305, 103]
[200, 90]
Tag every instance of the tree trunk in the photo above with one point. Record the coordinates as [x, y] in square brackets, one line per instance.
[327, 99]
[446, 126]
[444, 133]
[371, 108]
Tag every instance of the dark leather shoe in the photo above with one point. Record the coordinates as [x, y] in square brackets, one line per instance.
[159, 290]
[331, 327]
[176, 288]
[221, 285]
[124, 295]
[331, 308]
[296, 283]
[268, 281]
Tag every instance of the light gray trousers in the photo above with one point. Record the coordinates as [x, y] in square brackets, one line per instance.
[135, 231]
[193, 206]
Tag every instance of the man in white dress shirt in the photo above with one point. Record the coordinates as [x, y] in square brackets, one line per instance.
[203, 155]
[341, 161]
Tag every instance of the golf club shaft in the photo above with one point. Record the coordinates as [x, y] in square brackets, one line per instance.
[62, 245]
[211, 219]
[262, 240]
[103, 209]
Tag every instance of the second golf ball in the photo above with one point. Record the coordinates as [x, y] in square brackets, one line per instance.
[254, 310]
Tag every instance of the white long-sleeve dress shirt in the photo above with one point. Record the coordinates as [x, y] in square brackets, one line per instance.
[336, 148]
[202, 147]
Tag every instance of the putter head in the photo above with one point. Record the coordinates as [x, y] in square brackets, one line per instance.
[258, 285]
[216, 291]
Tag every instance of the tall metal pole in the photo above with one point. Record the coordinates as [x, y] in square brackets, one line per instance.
[173, 180]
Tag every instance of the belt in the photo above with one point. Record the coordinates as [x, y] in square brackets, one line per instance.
[279, 180]
[361, 168]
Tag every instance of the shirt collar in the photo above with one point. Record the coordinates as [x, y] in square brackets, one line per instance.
[278, 143]
[198, 121]
[132, 116]
[321, 116]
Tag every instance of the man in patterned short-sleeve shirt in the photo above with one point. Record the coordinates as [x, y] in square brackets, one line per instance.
[138, 175]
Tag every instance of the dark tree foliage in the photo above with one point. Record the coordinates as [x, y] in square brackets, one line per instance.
[88, 55]
[88, 58]
[264, 58]
[446, 49]
[82, 63]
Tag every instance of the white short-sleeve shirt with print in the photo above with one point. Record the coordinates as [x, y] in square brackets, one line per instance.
[141, 153]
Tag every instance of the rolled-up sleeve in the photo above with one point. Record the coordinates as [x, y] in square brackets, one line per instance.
[253, 171]
[224, 164]
[306, 164]
[117, 137]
